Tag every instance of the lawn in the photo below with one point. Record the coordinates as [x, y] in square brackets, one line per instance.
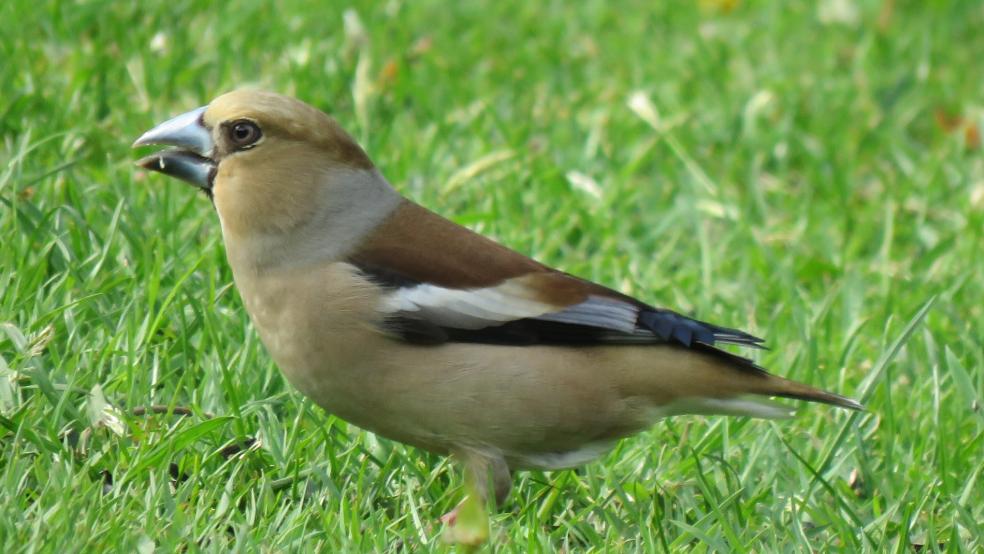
[812, 173]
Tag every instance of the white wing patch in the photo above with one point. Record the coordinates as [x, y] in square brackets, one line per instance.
[466, 308]
[597, 311]
[509, 301]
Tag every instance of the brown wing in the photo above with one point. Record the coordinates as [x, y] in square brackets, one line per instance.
[472, 289]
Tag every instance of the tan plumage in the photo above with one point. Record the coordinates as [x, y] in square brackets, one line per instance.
[411, 326]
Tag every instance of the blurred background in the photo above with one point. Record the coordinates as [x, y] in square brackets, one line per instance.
[808, 171]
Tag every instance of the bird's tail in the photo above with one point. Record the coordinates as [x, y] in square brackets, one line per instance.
[759, 383]
[785, 388]
[706, 380]
[758, 404]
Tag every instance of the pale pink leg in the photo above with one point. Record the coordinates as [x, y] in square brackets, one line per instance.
[451, 517]
[468, 523]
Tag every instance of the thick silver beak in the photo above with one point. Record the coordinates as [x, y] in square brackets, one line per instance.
[185, 131]
[191, 159]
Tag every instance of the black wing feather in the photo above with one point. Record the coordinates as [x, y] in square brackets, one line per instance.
[653, 326]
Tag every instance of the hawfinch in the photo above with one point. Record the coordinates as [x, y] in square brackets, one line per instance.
[420, 330]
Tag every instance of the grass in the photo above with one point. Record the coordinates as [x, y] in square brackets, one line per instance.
[813, 174]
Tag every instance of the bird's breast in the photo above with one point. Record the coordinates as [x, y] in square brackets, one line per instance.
[317, 323]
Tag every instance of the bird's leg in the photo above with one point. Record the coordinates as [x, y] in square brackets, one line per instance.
[468, 523]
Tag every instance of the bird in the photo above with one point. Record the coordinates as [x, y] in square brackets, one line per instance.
[422, 331]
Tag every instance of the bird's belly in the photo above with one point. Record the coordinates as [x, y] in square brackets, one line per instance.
[554, 406]
[517, 401]
[565, 459]
[345, 377]
[442, 398]
[335, 370]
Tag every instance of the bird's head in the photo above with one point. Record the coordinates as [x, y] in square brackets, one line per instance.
[270, 163]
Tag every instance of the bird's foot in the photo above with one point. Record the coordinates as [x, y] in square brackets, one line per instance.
[450, 518]
[467, 524]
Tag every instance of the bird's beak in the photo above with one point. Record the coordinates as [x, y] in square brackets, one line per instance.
[191, 160]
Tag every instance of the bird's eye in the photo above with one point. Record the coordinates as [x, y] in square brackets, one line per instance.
[244, 133]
